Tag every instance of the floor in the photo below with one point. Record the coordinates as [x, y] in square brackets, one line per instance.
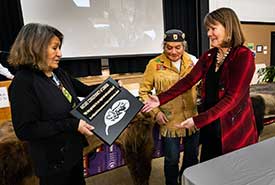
[121, 176]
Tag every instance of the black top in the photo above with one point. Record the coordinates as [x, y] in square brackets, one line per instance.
[211, 131]
[41, 116]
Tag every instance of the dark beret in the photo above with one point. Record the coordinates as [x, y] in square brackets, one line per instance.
[174, 35]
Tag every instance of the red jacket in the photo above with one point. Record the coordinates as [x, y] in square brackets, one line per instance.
[234, 109]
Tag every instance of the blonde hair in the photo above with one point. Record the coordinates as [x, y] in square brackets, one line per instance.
[30, 46]
[227, 17]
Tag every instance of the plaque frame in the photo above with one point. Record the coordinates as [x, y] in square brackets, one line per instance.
[109, 108]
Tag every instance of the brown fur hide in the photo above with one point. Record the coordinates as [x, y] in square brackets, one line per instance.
[263, 101]
[15, 163]
[137, 145]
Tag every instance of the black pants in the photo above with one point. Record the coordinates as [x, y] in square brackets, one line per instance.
[211, 149]
[210, 138]
[73, 177]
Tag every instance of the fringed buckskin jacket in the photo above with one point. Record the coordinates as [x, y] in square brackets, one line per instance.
[234, 109]
[161, 74]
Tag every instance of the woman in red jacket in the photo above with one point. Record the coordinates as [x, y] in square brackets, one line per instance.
[226, 121]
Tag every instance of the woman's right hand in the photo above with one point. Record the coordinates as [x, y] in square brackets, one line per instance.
[150, 103]
[84, 128]
[161, 118]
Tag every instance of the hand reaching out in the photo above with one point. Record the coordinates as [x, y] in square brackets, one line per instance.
[189, 123]
[84, 128]
[150, 103]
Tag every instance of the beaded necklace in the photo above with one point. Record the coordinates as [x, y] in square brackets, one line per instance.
[65, 92]
[221, 58]
[56, 81]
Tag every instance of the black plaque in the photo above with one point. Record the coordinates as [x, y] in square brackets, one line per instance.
[109, 108]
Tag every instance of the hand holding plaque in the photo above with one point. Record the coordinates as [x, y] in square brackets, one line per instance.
[109, 108]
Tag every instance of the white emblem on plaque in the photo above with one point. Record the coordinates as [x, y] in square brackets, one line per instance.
[115, 113]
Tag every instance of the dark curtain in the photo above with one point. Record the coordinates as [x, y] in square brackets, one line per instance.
[203, 41]
[187, 15]
[79, 67]
[11, 21]
[129, 64]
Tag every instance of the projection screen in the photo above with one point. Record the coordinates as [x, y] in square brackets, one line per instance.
[96, 28]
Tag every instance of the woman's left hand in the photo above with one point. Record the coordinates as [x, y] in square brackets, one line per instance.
[189, 123]
[84, 128]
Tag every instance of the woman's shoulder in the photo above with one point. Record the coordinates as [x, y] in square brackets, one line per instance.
[23, 79]
[209, 53]
[243, 50]
[27, 76]
[155, 61]
[23, 75]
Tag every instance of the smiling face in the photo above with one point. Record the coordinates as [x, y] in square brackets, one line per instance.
[216, 34]
[53, 53]
[173, 50]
